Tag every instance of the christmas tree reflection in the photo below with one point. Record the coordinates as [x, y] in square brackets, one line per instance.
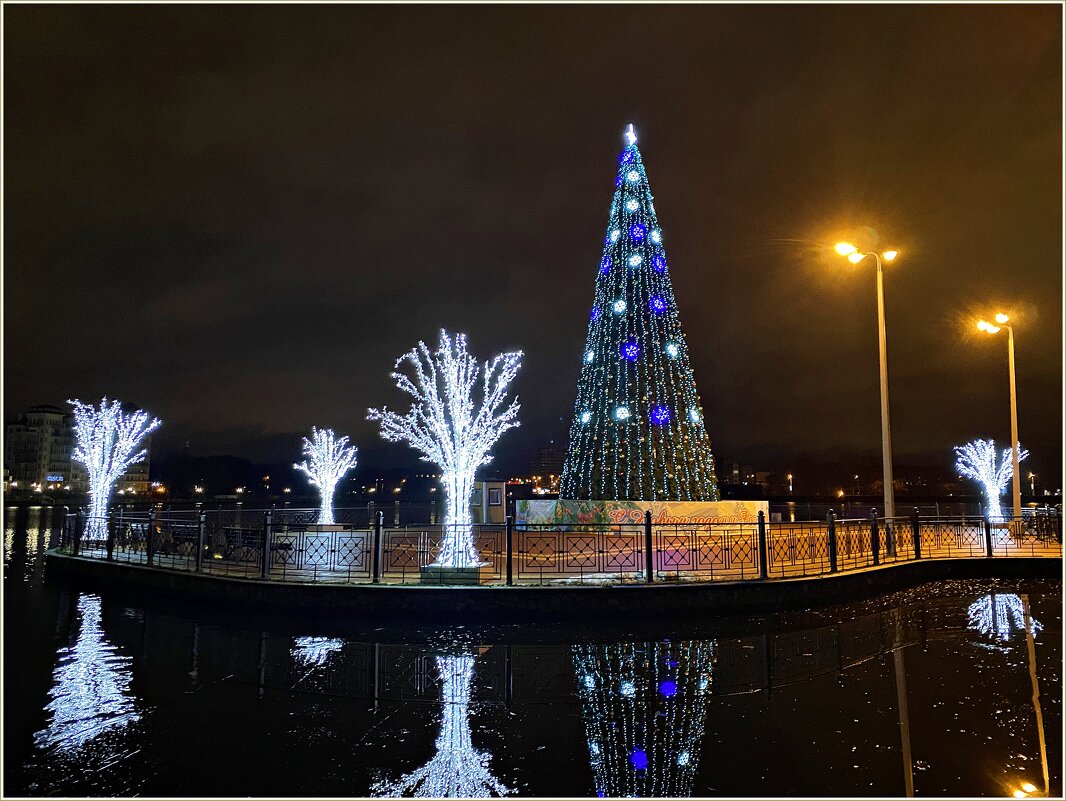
[457, 770]
[315, 651]
[644, 707]
[91, 691]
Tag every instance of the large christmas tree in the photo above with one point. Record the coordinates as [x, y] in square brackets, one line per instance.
[638, 431]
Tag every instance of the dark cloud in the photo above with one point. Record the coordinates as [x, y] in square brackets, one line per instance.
[240, 216]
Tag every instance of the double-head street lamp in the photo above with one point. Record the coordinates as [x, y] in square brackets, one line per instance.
[855, 255]
[1003, 321]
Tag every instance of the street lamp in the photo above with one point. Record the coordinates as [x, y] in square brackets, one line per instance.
[1003, 321]
[854, 255]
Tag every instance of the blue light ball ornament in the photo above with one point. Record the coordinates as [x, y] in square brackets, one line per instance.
[639, 759]
[660, 416]
[636, 233]
[659, 263]
[630, 350]
[657, 304]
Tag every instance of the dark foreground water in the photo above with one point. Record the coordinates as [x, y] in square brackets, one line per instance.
[946, 689]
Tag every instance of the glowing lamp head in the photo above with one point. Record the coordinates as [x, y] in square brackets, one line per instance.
[846, 248]
[1002, 319]
[855, 258]
[1020, 794]
[988, 327]
[890, 255]
[1029, 787]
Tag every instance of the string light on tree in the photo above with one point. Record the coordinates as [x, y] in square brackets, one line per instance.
[106, 443]
[452, 428]
[328, 459]
[977, 460]
[639, 372]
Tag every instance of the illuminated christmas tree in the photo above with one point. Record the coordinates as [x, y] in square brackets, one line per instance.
[638, 431]
[644, 706]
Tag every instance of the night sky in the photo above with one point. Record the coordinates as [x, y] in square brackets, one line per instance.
[238, 217]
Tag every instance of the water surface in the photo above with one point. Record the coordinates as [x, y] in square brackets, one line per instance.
[929, 690]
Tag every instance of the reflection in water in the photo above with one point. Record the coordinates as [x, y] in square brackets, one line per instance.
[644, 706]
[457, 770]
[91, 690]
[999, 614]
[315, 651]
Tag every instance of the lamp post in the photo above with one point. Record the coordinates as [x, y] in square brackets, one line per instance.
[854, 255]
[1003, 321]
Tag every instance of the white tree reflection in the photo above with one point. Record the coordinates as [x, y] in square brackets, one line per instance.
[315, 651]
[457, 770]
[644, 706]
[999, 615]
[91, 690]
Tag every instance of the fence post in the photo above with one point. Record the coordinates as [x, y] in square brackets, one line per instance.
[268, 535]
[988, 536]
[375, 559]
[831, 520]
[79, 529]
[875, 544]
[201, 539]
[110, 523]
[763, 559]
[649, 563]
[149, 541]
[916, 533]
[53, 542]
[509, 542]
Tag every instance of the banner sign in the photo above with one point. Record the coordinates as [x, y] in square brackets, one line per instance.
[560, 513]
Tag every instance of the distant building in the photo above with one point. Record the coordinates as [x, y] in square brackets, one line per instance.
[38, 453]
[548, 467]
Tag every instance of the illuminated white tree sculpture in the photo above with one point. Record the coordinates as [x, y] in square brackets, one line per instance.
[1000, 614]
[107, 439]
[328, 459]
[449, 427]
[457, 769]
[977, 460]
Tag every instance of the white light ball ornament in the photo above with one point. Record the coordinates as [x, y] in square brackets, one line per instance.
[621, 413]
[615, 234]
[656, 236]
[694, 415]
[632, 204]
[633, 176]
[672, 350]
[586, 416]
[635, 260]
[619, 306]
[589, 357]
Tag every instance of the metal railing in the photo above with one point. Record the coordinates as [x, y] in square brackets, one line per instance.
[287, 545]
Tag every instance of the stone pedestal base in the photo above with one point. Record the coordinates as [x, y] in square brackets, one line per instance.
[441, 574]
